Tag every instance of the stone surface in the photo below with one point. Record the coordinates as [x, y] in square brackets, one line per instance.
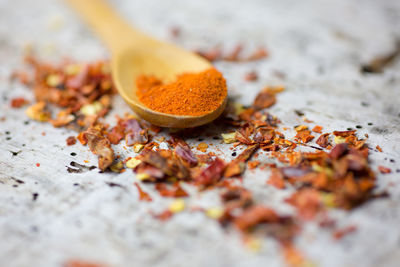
[319, 46]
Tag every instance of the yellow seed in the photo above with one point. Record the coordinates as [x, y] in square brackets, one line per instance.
[117, 167]
[132, 163]
[326, 170]
[53, 80]
[254, 244]
[238, 108]
[72, 69]
[91, 109]
[215, 213]
[138, 147]
[301, 128]
[328, 199]
[339, 139]
[38, 112]
[177, 205]
[229, 137]
[142, 176]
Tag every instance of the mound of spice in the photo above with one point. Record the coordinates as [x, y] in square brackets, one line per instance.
[192, 94]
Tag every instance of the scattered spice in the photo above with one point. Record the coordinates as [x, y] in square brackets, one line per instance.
[18, 102]
[317, 129]
[384, 169]
[378, 64]
[192, 94]
[331, 176]
[251, 76]
[143, 196]
[71, 140]
[81, 263]
[379, 148]
[339, 234]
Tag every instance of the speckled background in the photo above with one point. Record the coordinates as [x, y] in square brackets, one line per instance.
[319, 46]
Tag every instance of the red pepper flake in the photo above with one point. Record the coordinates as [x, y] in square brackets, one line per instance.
[143, 196]
[276, 179]
[323, 140]
[317, 129]
[253, 164]
[251, 76]
[254, 215]
[292, 255]
[71, 140]
[307, 201]
[339, 234]
[37, 164]
[176, 191]
[18, 102]
[212, 55]
[234, 55]
[265, 99]
[81, 263]
[379, 148]
[384, 169]
[305, 136]
[260, 53]
[175, 31]
[212, 174]
[165, 215]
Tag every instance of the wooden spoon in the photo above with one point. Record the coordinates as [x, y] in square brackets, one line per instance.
[134, 53]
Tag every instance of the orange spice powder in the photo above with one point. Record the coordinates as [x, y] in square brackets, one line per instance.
[192, 94]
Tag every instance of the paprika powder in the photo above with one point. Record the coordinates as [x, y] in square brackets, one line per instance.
[192, 94]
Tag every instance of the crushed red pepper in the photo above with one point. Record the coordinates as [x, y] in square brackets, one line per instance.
[337, 176]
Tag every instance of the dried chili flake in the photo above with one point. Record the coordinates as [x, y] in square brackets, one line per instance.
[379, 148]
[182, 149]
[276, 179]
[307, 202]
[265, 99]
[339, 234]
[212, 54]
[237, 166]
[293, 256]
[71, 140]
[317, 129]
[165, 215]
[304, 136]
[384, 169]
[175, 191]
[135, 134]
[143, 196]
[323, 140]
[81, 263]
[212, 174]
[162, 164]
[255, 215]
[18, 102]
[253, 164]
[116, 134]
[260, 53]
[251, 76]
[100, 146]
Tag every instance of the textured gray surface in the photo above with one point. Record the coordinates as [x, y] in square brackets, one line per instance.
[319, 45]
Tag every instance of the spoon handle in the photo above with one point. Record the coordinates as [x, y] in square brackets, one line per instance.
[107, 24]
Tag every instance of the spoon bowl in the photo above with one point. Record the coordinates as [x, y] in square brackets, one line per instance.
[134, 53]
